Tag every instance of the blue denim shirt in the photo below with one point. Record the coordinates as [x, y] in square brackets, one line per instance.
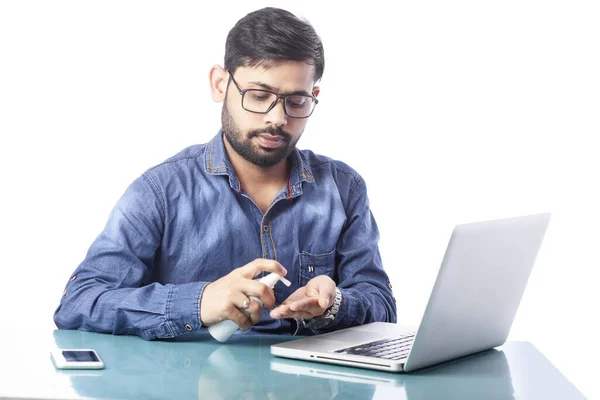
[188, 222]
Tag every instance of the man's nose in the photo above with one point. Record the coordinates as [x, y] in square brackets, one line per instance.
[276, 116]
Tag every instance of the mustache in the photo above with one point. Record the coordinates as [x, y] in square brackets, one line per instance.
[278, 131]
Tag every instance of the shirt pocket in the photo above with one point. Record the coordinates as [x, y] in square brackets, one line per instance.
[312, 265]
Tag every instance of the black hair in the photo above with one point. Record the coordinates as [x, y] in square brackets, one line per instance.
[269, 36]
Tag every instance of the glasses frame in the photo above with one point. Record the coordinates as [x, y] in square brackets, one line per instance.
[279, 97]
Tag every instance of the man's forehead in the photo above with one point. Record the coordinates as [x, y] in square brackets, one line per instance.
[284, 75]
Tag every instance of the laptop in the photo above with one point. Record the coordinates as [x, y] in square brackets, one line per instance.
[478, 375]
[471, 308]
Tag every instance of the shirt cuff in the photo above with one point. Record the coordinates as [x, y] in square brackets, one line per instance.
[183, 307]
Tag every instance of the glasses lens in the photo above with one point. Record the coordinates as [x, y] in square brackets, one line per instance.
[258, 100]
[299, 106]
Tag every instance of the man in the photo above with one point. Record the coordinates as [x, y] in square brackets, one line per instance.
[182, 246]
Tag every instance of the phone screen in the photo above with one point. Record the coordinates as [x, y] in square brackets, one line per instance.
[80, 356]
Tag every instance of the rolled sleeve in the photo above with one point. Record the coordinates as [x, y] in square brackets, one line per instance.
[183, 307]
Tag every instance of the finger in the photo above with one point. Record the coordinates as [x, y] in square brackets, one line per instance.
[300, 314]
[279, 311]
[311, 290]
[313, 312]
[239, 318]
[304, 304]
[254, 312]
[324, 302]
[259, 265]
[291, 299]
[311, 306]
[313, 287]
[238, 298]
[284, 311]
[260, 290]
[320, 285]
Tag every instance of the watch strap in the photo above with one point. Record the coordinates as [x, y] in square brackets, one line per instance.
[329, 315]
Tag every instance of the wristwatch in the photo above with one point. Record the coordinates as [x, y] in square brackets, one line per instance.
[328, 316]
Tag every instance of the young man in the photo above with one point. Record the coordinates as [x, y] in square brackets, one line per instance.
[182, 246]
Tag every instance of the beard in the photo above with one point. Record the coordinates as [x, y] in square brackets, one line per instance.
[256, 154]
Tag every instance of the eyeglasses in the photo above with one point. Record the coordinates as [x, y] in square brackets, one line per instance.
[262, 101]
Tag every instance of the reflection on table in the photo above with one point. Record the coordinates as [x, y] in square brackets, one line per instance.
[198, 367]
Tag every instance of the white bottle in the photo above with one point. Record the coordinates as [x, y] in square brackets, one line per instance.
[223, 330]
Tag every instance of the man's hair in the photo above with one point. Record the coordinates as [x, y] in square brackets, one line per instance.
[269, 36]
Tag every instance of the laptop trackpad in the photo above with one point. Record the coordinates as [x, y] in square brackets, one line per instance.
[352, 336]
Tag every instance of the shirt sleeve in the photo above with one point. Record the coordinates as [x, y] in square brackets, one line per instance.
[111, 290]
[365, 287]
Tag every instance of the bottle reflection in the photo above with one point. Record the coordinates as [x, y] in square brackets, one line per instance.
[198, 367]
[229, 376]
[194, 367]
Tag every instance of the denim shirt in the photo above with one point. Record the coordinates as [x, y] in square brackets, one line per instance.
[188, 222]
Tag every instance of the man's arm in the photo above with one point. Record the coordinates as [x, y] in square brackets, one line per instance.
[364, 285]
[365, 289]
[111, 292]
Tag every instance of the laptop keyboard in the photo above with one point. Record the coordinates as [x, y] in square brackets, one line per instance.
[391, 349]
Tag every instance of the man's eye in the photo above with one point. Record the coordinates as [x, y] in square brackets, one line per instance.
[260, 96]
[296, 102]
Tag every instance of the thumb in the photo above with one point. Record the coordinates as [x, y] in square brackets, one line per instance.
[324, 302]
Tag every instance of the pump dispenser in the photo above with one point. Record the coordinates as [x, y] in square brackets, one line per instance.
[224, 329]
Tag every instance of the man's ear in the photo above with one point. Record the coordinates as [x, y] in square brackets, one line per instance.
[316, 91]
[218, 83]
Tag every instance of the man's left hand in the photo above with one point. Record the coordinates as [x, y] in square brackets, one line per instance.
[309, 301]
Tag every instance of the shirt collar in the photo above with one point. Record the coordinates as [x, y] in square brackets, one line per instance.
[216, 162]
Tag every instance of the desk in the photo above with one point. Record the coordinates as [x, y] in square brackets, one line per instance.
[197, 367]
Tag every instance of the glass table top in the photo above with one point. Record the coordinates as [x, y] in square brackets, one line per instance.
[198, 367]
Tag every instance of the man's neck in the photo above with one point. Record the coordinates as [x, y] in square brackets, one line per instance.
[252, 176]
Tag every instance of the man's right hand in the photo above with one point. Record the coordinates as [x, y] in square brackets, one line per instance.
[223, 298]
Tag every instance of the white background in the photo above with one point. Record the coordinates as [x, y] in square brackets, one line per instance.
[452, 111]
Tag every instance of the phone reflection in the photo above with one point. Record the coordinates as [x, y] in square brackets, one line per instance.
[194, 367]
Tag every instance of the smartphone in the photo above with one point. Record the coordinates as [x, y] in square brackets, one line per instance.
[76, 359]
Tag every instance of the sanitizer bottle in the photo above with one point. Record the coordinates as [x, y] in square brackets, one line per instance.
[223, 330]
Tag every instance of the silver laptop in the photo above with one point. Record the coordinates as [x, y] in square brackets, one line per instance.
[471, 308]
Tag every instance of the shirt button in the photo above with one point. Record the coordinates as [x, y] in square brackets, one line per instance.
[65, 292]
[265, 228]
[390, 285]
[73, 278]
[188, 327]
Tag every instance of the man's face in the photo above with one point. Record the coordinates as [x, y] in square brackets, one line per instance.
[266, 139]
